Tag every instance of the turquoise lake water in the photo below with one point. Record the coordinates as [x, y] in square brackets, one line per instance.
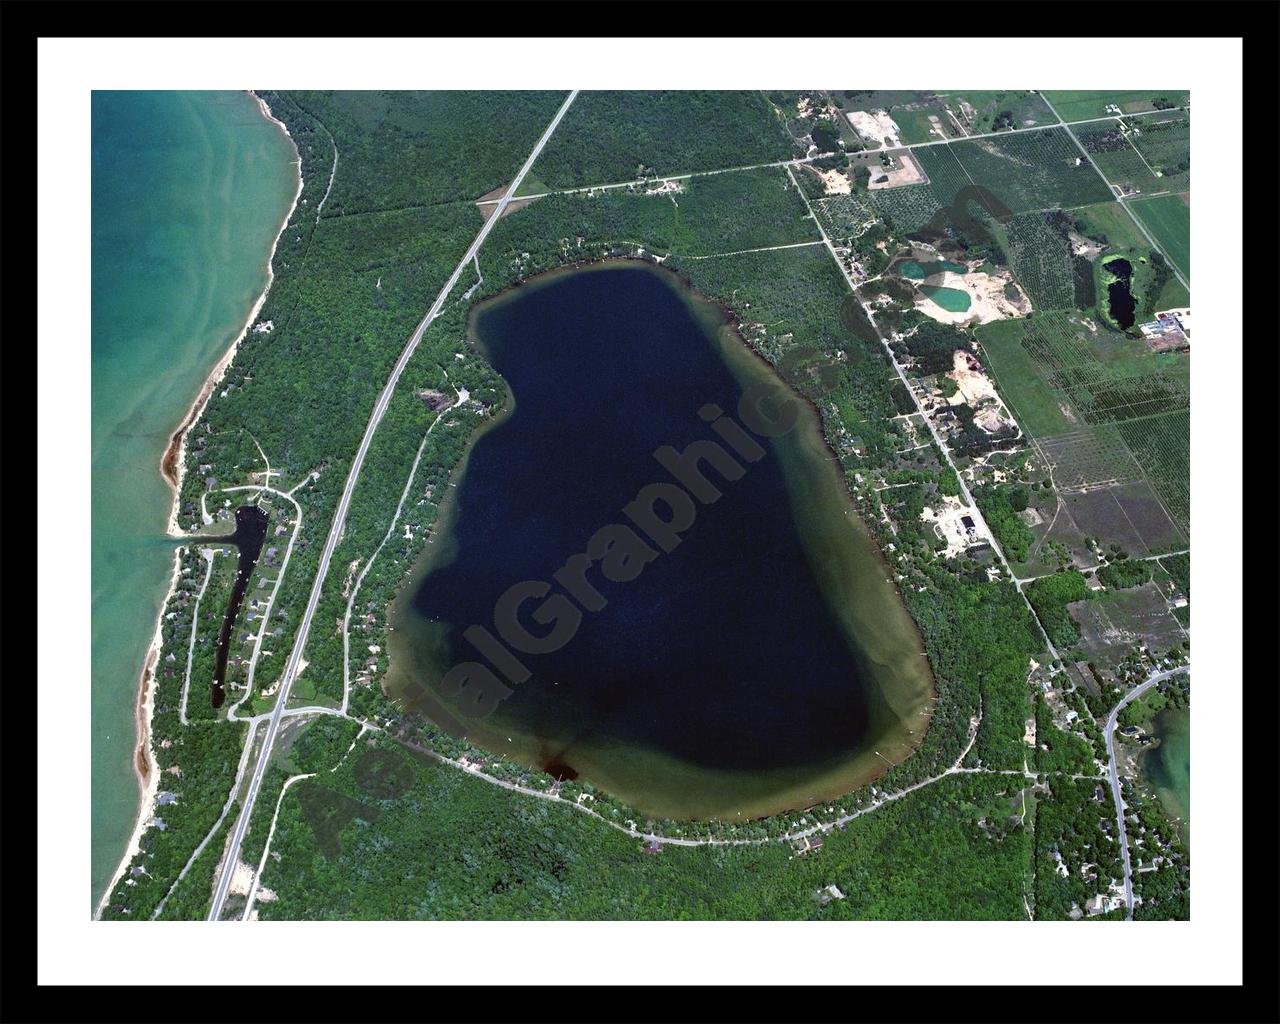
[189, 191]
[953, 300]
[919, 271]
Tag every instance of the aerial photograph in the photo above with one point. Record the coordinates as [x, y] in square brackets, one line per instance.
[628, 505]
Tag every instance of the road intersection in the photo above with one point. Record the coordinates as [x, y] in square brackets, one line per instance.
[232, 853]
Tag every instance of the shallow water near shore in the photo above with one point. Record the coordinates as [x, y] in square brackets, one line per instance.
[765, 663]
[189, 191]
[1169, 766]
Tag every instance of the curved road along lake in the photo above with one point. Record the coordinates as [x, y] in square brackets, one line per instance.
[763, 663]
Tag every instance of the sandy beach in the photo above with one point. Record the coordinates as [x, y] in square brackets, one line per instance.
[173, 469]
[144, 760]
[172, 465]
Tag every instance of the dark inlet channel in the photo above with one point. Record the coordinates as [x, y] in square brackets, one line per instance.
[764, 662]
[251, 530]
[1120, 298]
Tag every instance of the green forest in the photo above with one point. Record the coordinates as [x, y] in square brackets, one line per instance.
[361, 260]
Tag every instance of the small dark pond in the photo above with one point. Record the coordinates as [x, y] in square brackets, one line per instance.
[1119, 297]
[251, 530]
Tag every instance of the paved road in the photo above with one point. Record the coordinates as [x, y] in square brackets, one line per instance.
[973, 509]
[1124, 203]
[339, 519]
[232, 711]
[819, 156]
[1110, 733]
[658, 177]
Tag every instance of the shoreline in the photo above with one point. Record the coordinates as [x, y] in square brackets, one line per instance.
[172, 465]
[835, 781]
[172, 471]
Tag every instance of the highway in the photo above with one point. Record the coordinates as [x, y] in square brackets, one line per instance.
[1110, 734]
[232, 854]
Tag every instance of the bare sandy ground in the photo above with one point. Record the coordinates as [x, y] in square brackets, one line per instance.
[908, 172]
[145, 766]
[875, 126]
[987, 301]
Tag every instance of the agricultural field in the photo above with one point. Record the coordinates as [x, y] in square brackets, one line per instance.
[1100, 395]
[947, 176]
[1087, 460]
[1164, 141]
[1036, 170]
[1110, 224]
[1168, 218]
[1028, 395]
[1163, 445]
[1112, 624]
[619, 136]
[1109, 145]
[1082, 104]
[1104, 413]
[1040, 258]
[1126, 513]
[928, 116]
[904, 209]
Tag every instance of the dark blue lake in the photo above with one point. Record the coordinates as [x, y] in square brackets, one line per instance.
[757, 665]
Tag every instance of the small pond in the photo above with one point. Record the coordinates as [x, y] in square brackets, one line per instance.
[1120, 300]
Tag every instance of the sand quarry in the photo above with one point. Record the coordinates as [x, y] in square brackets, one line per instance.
[976, 390]
[875, 126]
[987, 298]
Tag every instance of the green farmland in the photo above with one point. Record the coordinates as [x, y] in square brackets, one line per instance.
[1034, 170]
[1164, 141]
[1168, 218]
[1082, 104]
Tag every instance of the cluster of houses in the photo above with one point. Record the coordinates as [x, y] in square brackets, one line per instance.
[807, 844]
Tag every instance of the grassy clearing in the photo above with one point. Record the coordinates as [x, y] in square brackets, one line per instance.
[998, 110]
[1080, 104]
[1168, 218]
[1018, 377]
[1111, 222]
